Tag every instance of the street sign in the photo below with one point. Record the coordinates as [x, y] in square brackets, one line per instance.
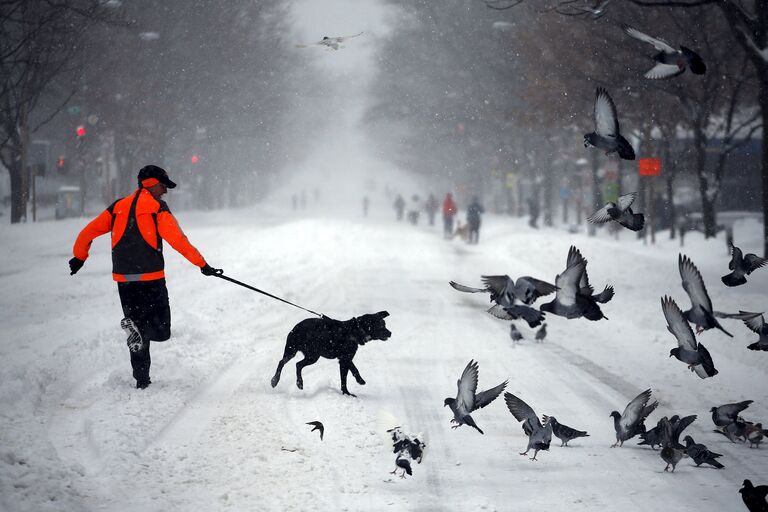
[649, 166]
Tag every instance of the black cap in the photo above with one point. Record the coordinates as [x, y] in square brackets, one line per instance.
[153, 171]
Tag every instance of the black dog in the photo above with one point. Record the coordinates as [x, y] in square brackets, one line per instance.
[332, 339]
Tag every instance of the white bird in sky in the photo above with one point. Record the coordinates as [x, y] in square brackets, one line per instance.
[334, 43]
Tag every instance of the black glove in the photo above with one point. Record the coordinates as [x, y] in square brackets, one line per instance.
[75, 264]
[208, 270]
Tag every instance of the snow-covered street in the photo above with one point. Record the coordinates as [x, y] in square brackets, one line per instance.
[211, 433]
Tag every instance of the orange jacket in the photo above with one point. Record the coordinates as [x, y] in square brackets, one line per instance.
[137, 245]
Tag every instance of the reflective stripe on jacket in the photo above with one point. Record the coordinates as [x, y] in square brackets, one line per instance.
[139, 223]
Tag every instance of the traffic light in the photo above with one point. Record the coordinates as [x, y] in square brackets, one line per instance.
[194, 159]
[80, 131]
[62, 165]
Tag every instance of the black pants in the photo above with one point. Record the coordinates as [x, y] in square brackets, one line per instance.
[146, 303]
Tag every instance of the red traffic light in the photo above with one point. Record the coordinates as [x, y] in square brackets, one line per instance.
[80, 131]
[195, 159]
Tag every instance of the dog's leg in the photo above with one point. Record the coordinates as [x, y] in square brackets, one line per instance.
[356, 373]
[299, 366]
[343, 370]
[288, 354]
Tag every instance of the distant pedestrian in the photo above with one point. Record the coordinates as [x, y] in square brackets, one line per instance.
[414, 209]
[399, 206]
[366, 204]
[449, 212]
[474, 212]
[303, 200]
[431, 207]
[533, 210]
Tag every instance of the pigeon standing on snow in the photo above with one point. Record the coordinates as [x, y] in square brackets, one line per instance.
[756, 323]
[539, 436]
[754, 497]
[620, 212]
[701, 313]
[334, 43]
[701, 454]
[755, 434]
[563, 432]
[688, 350]
[669, 61]
[606, 135]
[505, 293]
[741, 266]
[631, 422]
[726, 414]
[541, 333]
[402, 463]
[655, 436]
[574, 296]
[468, 400]
[316, 425]
[514, 334]
[672, 456]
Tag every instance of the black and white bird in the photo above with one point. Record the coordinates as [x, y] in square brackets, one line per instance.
[607, 135]
[632, 421]
[701, 454]
[563, 432]
[404, 464]
[515, 334]
[333, 43]
[669, 61]
[407, 445]
[468, 400]
[539, 436]
[726, 414]
[316, 425]
[541, 333]
[756, 323]
[672, 456]
[575, 297]
[621, 212]
[741, 266]
[754, 497]
[688, 350]
[701, 313]
[506, 293]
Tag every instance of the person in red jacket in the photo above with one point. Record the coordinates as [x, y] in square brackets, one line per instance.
[449, 211]
[139, 223]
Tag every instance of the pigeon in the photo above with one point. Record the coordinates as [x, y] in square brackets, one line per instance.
[678, 425]
[672, 456]
[741, 266]
[514, 334]
[541, 333]
[333, 43]
[688, 350]
[467, 401]
[596, 12]
[755, 322]
[563, 432]
[404, 444]
[402, 463]
[754, 497]
[316, 425]
[573, 298]
[700, 454]
[669, 61]
[505, 293]
[755, 434]
[606, 135]
[701, 313]
[631, 422]
[657, 435]
[620, 212]
[736, 432]
[726, 414]
[539, 436]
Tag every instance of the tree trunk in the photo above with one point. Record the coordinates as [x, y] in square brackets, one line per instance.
[763, 100]
[18, 196]
[709, 217]
[669, 178]
[597, 197]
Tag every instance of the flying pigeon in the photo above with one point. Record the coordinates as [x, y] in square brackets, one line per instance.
[755, 434]
[754, 497]
[402, 463]
[678, 424]
[688, 350]
[701, 313]
[334, 43]
[700, 454]
[316, 425]
[755, 322]
[514, 334]
[539, 436]
[574, 298]
[669, 62]
[505, 293]
[741, 266]
[607, 135]
[631, 422]
[620, 212]
[657, 435]
[563, 432]
[726, 414]
[672, 456]
[596, 12]
[468, 400]
[541, 333]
